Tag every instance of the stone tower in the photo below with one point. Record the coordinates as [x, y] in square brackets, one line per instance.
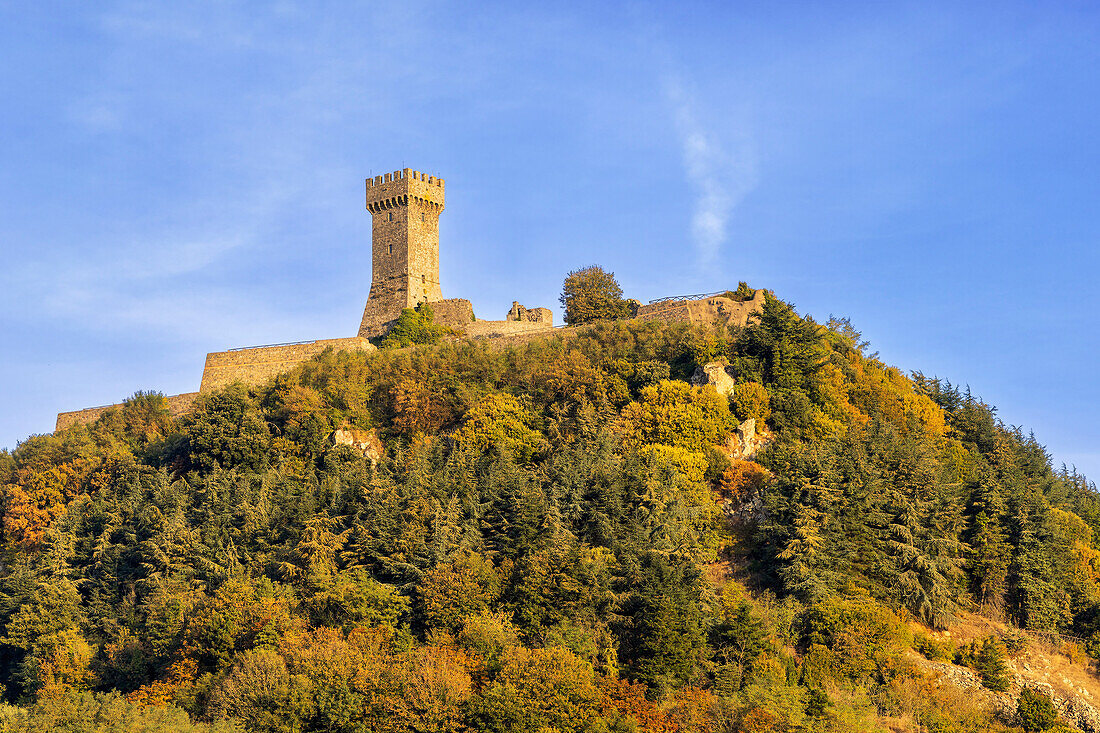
[405, 206]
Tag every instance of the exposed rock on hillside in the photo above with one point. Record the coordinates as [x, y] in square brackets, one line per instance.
[716, 374]
[366, 442]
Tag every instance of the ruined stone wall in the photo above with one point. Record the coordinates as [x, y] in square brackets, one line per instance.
[257, 365]
[405, 206]
[495, 337]
[481, 329]
[536, 315]
[177, 405]
[541, 315]
[716, 311]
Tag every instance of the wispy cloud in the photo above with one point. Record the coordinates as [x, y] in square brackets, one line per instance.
[721, 170]
[162, 278]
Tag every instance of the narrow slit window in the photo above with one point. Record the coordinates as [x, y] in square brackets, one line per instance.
[391, 249]
[391, 216]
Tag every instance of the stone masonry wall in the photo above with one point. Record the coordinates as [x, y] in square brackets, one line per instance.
[405, 206]
[453, 312]
[177, 405]
[537, 315]
[718, 311]
[257, 365]
[482, 329]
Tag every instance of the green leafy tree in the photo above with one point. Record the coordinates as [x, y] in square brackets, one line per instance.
[592, 294]
[500, 423]
[226, 429]
[675, 413]
[259, 692]
[48, 632]
[414, 326]
[456, 590]
[750, 400]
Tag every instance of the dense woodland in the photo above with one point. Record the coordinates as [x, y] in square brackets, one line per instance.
[556, 537]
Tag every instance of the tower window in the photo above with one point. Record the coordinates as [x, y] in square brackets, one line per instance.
[391, 216]
[391, 249]
[422, 216]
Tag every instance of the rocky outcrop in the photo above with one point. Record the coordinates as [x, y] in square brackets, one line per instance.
[748, 439]
[716, 374]
[366, 442]
[1068, 699]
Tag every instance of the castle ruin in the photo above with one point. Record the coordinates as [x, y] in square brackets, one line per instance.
[405, 207]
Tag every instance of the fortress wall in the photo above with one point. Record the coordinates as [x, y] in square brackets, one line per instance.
[718, 311]
[669, 311]
[453, 312]
[177, 405]
[180, 404]
[257, 365]
[81, 417]
[504, 340]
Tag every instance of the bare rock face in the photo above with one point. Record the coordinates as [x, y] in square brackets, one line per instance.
[714, 373]
[747, 431]
[744, 442]
[746, 436]
[366, 442]
[1070, 701]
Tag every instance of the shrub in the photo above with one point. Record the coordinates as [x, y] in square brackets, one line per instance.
[935, 649]
[1035, 709]
[988, 660]
[743, 292]
[414, 326]
[742, 481]
[1015, 642]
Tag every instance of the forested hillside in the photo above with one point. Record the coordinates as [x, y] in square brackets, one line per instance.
[555, 536]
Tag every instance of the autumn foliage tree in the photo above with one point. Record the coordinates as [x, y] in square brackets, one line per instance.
[592, 294]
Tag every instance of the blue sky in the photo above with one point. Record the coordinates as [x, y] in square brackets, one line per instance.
[177, 178]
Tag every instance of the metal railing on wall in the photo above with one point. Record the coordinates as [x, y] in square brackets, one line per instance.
[268, 346]
[695, 296]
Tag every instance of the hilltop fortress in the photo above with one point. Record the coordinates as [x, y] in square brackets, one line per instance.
[405, 207]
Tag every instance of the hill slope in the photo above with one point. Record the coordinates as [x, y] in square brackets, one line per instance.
[556, 536]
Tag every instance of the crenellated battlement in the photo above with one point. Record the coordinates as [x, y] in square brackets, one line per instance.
[403, 174]
[397, 188]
